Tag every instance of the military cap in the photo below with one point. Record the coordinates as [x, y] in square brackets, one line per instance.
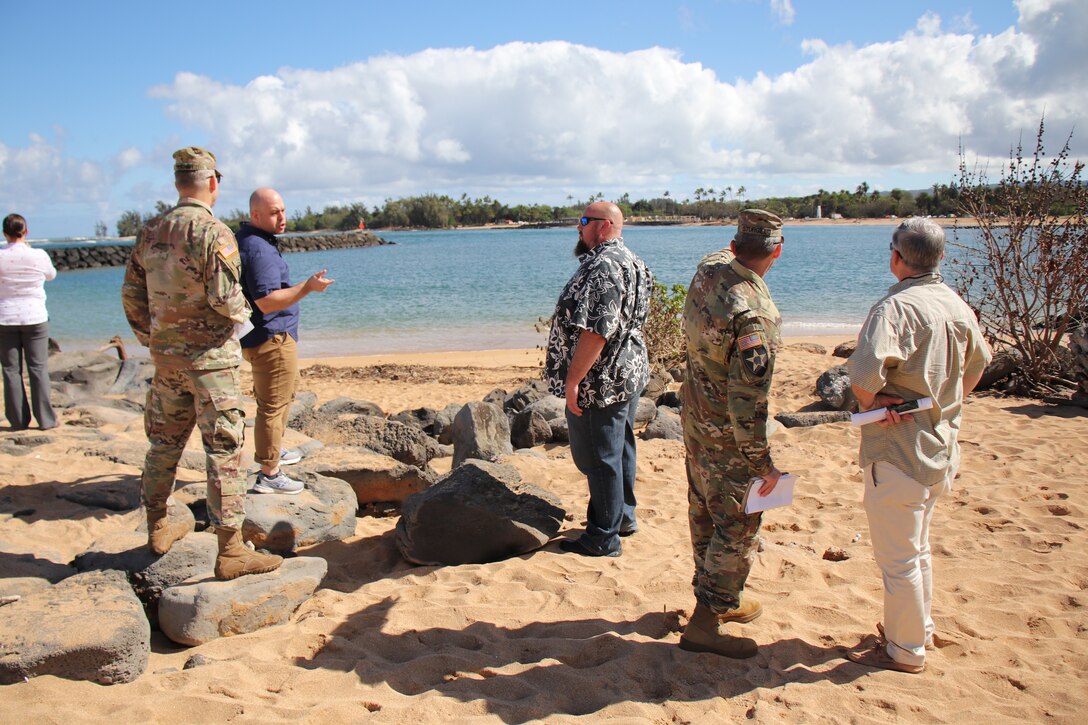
[758, 224]
[193, 158]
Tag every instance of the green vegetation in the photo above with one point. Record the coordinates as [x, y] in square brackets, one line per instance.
[1026, 275]
[664, 328]
[433, 211]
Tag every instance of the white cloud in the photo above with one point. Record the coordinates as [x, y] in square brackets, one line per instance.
[783, 11]
[510, 117]
[40, 173]
[539, 120]
[128, 158]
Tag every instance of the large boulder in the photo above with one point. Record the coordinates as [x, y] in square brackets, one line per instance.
[833, 387]
[529, 393]
[349, 406]
[406, 443]
[133, 379]
[193, 556]
[529, 428]
[657, 384]
[374, 478]
[22, 573]
[301, 410]
[148, 573]
[480, 512]
[665, 425]
[88, 627]
[482, 431]
[645, 412]
[422, 418]
[323, 511]
[203, 609]
[86, 373]
[442, 429]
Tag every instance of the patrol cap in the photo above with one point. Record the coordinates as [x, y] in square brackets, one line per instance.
[757, 225]
[193, 158]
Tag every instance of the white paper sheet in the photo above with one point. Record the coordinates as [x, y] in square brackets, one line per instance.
[782, 495]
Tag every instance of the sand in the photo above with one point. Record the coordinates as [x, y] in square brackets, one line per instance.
[553, 637]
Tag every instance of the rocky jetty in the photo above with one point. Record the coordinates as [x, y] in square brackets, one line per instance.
[94, 254]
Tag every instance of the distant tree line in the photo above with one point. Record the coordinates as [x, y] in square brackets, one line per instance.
[433, 211]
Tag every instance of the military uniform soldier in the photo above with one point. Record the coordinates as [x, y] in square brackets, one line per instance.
[182, 298]
[732, 331]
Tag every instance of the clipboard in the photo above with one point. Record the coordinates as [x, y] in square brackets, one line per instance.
[782, 495]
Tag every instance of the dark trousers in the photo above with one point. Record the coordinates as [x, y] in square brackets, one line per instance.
[602, 444]
[29, 344]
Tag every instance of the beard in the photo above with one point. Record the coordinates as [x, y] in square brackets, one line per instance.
[580, 248]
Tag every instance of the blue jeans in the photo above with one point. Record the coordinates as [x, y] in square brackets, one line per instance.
[602, 444]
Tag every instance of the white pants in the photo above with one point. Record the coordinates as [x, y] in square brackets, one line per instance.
[899, 510]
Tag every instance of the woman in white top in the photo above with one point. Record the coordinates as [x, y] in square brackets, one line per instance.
[24, 327]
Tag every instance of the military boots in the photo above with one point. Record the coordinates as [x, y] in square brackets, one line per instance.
[236, 559]
[702, 635]
[162, 531]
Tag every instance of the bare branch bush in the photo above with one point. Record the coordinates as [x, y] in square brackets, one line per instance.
[1025, 268]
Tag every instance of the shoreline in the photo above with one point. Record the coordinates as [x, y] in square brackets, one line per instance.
[495, 358]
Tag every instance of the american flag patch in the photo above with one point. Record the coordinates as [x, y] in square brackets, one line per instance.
[749, 341]
[227, 250]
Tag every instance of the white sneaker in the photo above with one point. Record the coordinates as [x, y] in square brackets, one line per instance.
[279, 483]
[290, 456]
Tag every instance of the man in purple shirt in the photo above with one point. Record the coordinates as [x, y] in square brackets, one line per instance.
[271, 346]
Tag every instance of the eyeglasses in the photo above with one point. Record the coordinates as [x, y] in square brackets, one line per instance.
[218, 177]
[587, 219]
[891, 246]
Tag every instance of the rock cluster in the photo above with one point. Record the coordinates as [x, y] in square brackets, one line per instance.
[93, 254]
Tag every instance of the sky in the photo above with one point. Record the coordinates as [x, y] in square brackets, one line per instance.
[335, 102]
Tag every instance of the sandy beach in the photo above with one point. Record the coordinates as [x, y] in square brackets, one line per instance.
[553, 637]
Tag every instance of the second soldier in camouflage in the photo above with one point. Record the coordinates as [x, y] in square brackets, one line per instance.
[731, 326]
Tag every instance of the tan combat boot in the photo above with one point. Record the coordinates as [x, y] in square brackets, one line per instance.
[702, 635]
[747, 611]
[236, 559]
[162, 532]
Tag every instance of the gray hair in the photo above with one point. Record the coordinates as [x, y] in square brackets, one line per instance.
[920, 243]
[751, 248]
[189, 179]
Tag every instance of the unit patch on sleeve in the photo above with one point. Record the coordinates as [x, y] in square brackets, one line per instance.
[754, 354]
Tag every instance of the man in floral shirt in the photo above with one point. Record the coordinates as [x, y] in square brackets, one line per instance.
[597, 360]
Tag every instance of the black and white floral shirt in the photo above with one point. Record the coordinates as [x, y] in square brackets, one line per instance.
[609, 295]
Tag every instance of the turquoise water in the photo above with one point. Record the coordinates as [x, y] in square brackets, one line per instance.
[485, 289]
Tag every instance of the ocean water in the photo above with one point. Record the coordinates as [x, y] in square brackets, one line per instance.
[486, 289]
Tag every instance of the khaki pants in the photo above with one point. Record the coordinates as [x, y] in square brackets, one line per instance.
[900, 510]
[275, 378]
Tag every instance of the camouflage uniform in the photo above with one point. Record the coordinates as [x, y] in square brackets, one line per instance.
[182, 298]
[732, 330]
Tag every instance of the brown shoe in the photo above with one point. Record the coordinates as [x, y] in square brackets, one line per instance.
[749, 610]
[163, 531]
[879, 658]
[702, 635]
[236, 559]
